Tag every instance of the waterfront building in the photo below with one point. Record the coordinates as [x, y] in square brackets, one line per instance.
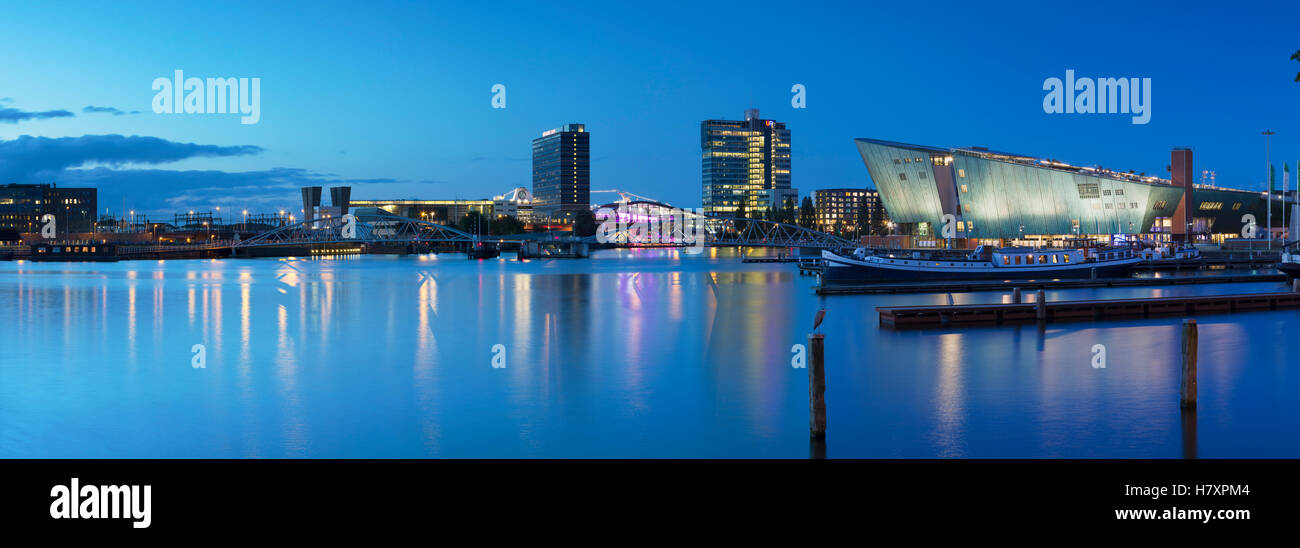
[994, 197]
[443, 212]
[562, 172]
[517, 203]
[845, 209]
[744, 164]
[23, 205]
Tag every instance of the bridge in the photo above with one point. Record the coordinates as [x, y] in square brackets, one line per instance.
[364, 228]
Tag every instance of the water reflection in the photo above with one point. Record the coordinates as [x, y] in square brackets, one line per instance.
[629, 354]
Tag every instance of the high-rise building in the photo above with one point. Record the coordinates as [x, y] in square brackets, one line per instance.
[562, 172]
[744, 161]
[22, 206]
[845, 209]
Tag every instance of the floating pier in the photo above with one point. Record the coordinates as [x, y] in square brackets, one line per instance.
[1060, 311]
[1008, 285]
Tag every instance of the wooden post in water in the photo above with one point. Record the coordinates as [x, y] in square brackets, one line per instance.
[1187, 392]
[816, 386]
[1041, 305]
[1093, 272]
[1295, 285]
[1015, 295]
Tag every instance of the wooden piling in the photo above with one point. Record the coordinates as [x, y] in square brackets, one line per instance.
[1015, 295]
[1041, 305]
[816, 386]
[1295, 285]
[1187, 392]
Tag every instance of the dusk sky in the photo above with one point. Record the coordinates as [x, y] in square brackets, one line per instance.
[395, 98]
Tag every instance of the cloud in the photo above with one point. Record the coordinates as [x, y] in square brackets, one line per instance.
[97, 160]
[107, 110]
[30, 159]
[165, 191]
[9, 115]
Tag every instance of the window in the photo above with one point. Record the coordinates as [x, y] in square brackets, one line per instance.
[1160, 204]
[1054, 258]
[963, 188]
[922, 174]
[961, 173]
[1089, 190]
[967, 208]
[1105, 192]
[1236, 206]
[1017, 259]
[1042, 259]
[1108, 206]
[1006, 260]
[897, 161]
[1065, 258]
[902, 176]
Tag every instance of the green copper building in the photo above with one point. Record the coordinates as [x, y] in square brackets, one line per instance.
[1001, 196]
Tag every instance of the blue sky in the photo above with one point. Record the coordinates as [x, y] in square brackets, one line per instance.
[394, 98]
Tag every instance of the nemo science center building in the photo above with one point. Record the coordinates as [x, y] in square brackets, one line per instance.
[997, 198]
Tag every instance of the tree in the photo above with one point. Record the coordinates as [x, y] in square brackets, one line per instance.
[807, 213]
[472, 223]
[506, 225]
[584, 223]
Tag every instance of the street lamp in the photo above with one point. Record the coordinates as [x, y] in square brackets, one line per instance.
[1268, 186]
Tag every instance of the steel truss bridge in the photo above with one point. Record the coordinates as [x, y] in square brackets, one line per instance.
[383, 228]
[368, 228]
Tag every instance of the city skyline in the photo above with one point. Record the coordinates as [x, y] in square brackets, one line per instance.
[429, 129]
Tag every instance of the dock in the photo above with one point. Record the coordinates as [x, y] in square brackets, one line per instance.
[1007, 285]
[1092, 310]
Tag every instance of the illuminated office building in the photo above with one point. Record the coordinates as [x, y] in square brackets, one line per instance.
[23, 205]
[562, 172]
[746, 164]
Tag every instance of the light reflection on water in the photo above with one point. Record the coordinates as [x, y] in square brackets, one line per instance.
[629, 354]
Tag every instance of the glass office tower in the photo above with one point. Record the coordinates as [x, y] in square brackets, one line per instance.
[744, 161]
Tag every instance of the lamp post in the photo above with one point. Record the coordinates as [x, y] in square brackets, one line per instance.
[1268, 186]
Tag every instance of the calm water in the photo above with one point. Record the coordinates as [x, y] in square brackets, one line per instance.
[628, 354]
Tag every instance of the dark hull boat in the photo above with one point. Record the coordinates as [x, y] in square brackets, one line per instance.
[983, 264]
[1290, 264]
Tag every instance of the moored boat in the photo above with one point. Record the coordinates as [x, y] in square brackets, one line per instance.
[1289, 264]
[985, 263]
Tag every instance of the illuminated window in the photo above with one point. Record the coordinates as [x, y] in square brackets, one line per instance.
[961, 173]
